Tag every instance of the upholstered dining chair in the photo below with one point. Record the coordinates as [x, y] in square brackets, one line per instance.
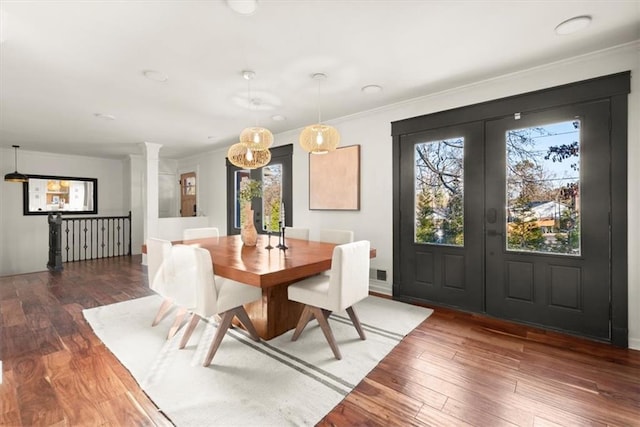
[157, 250]
[200, 233]
[338, 237]
[190, 276]
[347, 283]
[296, 233]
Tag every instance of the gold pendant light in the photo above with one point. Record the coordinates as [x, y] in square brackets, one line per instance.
[319, 138]
[16, 176]
[252, 151]
[243, 157]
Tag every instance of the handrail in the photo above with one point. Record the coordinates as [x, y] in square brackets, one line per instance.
[88, 237]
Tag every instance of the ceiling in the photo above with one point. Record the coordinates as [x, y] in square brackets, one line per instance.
[64, 63]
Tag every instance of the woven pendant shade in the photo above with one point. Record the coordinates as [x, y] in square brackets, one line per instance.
[257, 138]
[245, 158]
[319, 138]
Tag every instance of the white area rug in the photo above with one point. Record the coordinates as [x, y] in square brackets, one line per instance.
[276, 382]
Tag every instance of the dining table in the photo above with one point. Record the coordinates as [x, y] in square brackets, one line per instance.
[271, 269]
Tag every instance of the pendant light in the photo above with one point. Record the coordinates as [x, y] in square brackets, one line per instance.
[16, 176]
[243, 157]
[256, 138]
[252, 151]
[319, 138]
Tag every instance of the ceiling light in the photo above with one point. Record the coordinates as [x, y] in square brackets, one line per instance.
[104, 116]
[371, 89]
[319, 138]
[156, 76]
[573, 25]
[243, 7]
[16, 176]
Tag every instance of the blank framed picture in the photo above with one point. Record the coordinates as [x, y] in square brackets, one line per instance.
[334, 179]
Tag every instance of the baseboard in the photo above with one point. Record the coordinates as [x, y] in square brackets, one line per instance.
[380, 287]
[634, 343]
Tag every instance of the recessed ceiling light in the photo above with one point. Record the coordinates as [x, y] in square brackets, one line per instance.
[212, 137]
[243, 7]
[573, 25]
[156, 76]
[278, 118]
[369, 89]
[104, 116]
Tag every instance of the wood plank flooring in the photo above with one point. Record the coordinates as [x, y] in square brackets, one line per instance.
[455, 369]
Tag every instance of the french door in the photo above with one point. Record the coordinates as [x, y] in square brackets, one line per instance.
[441, 255]
[511, 216]
[547, 218]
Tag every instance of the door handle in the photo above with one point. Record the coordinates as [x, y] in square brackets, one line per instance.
[492, 216]
[493, 233]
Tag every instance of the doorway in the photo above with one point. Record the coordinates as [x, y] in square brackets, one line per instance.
[517, 215]
[188, 194]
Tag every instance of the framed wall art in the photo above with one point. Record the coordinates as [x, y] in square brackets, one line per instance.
[334, 179]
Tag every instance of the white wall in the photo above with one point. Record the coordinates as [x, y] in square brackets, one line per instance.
[24, 244]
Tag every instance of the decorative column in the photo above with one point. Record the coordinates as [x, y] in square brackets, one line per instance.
[150, 203]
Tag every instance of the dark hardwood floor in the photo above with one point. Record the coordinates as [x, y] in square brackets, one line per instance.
[454, 369]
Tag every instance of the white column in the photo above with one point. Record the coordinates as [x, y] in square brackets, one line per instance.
[151, 198]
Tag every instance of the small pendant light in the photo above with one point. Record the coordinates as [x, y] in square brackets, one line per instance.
[16, 176]
[319, 138]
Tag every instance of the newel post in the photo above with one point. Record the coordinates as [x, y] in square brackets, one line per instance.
[55, 242]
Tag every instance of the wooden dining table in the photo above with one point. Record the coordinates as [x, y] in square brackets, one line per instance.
[272, 270]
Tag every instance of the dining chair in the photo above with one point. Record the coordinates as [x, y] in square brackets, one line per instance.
[200, 233]
[347, 283]
[338, 237]
[296, 233]
[157, 251]
[189, 270]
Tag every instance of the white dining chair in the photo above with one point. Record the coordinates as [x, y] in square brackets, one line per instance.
[338, 237]
[296, 233]
[347, 283]
[189, 270]
[200, 233]
[157, 251]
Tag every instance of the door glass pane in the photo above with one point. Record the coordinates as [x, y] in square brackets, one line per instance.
[239, 175]
[543, 188]
[439, 192]
[271, 196]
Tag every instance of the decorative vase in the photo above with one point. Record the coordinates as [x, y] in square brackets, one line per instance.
[248, 232]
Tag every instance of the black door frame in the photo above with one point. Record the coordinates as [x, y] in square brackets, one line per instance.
[615, 88]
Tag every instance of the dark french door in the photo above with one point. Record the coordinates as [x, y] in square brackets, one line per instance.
[547, 218]
[511, 214]
[441, 256]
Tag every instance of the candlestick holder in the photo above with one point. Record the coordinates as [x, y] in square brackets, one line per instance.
[279, 235]
[282, 245]
[269, 241]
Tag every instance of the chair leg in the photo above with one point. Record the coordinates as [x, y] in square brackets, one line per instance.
[327, 313]
[190, 328]
[305, 316]
[326, 329]
[223, 327]
[182, 312]
[164, 308]
[242, 315]
[356, 322]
